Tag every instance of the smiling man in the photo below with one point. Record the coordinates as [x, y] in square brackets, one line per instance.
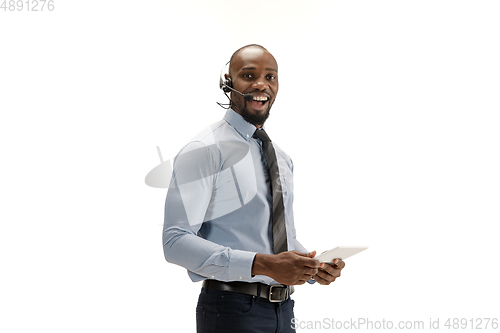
[229, 215]
[255, 71]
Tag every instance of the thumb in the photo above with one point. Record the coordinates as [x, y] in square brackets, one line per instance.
[305, 254]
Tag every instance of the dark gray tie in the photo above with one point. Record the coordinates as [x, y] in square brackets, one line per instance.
[278, 215]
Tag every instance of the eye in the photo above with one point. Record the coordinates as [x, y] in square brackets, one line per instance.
[247, 76]
[271, 77]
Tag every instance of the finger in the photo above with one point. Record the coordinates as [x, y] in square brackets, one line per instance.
[330, 269]
[321, 280]
[324, 276]
[300, 253]
[301, 281]
[309, 255]
[339, 263]
[326, 268]
[310, 272]
[311, 263]
[329, 275]
[305, 261]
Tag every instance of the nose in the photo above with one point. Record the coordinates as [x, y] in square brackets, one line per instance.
[260, 84]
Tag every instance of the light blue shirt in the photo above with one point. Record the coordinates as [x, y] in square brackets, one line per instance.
[218, 207]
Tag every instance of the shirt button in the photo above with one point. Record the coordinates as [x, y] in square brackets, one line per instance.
[212, 276]
[248, 136]
[241, 278]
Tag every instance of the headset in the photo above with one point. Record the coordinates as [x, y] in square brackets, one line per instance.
[227, 86]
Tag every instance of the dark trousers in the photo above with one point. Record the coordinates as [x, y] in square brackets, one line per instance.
[228, 312]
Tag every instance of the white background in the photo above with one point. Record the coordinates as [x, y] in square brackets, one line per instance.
[389, 109]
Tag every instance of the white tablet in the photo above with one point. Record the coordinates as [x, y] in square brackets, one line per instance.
[340, 252]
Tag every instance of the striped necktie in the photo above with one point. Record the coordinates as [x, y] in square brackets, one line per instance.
[278, 214]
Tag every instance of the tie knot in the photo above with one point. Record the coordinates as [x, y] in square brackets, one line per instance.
[262, 135]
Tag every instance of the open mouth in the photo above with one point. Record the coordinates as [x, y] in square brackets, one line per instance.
[259, 102]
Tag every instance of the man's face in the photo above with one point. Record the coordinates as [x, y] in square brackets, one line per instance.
[254, 71]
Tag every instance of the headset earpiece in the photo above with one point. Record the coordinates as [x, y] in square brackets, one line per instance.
[223, 82]
[228, 83]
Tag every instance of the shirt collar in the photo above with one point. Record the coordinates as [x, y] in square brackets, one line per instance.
[244, 128]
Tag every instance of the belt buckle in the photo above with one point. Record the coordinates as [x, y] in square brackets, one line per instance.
[270, 298]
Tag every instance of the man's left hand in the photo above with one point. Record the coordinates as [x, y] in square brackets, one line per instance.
[327, 273]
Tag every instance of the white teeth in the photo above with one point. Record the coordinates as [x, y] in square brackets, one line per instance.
[260, 98]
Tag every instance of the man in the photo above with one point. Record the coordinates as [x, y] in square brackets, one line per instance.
[228, 213]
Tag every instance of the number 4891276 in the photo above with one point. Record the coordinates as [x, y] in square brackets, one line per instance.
[27, 5]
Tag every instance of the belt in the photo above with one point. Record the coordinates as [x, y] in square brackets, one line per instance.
[274, 293]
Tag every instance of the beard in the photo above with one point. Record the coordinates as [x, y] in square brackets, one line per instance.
[255, 119]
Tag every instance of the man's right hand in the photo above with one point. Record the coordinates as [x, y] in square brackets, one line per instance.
[290, 268]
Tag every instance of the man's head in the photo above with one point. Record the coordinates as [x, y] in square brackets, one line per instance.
[253, 70]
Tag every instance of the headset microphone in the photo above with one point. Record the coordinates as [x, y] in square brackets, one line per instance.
[247, 97]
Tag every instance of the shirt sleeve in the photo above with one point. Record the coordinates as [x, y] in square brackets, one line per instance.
[194, 173]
